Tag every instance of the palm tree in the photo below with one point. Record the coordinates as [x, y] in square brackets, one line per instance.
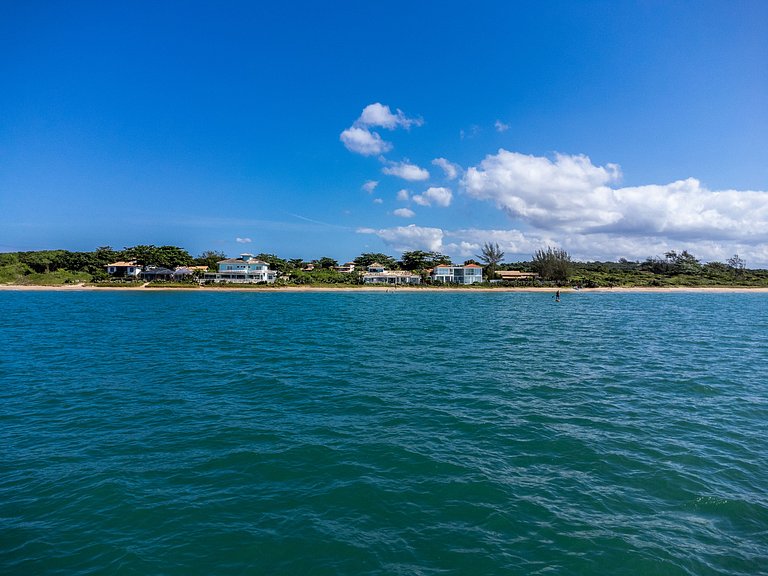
[491, 254]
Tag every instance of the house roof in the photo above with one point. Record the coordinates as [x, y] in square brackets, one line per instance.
[471, 266]
[241, 261]
[402, 273]
[123, 264]
[158, 270]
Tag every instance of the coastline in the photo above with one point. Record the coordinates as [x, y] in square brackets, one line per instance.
[382, 289]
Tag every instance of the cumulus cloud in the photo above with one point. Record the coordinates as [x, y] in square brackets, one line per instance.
[380, 115]
[404, 213]
[364, 142]
[370, 186]
[403, 195]
[360, 139]
[500, 126]
[451, 170]
[406, 238]
[572, 195]
[437, 196]
[243, 240]
[378, 201]
[406, 171]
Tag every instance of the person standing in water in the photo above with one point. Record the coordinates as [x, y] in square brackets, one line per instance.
[557, 296]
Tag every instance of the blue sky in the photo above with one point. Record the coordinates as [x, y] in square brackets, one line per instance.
[611, 129]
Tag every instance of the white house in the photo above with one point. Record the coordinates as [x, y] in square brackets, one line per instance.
[378, 274]
[469, 274]
[243, 270]
[124, 269]
[347, 267]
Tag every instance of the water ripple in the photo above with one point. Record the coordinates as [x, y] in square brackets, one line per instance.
[397, 433]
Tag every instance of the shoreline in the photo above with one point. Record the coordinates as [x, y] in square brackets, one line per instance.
[382, 289]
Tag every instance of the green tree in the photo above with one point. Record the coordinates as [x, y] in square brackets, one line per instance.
[326, 262]
[491, 255]
[420, 260]
[368, 258]
[209, 258]
[737, 264]
[552, 264]
[151, 255]
[682, 263]
[275, 263]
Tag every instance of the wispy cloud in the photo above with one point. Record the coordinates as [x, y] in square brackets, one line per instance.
[243, 240]
[404, 213]
[450, 169]
[370, 186]
[500, 126]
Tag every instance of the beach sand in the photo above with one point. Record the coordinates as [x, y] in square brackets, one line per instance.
[382, 289]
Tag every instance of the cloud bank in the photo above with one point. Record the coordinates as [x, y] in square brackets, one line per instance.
[571, 195]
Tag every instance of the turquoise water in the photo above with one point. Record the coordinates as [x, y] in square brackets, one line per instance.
[385, 433]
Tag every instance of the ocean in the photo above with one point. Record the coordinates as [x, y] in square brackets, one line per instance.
[406, 433]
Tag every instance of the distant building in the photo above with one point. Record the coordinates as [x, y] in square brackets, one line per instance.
[151, 273]
[378, 274]
[186, 272]
[347, 267]
[124, 269]
[513, 275]
[469, 274]
[243, 270]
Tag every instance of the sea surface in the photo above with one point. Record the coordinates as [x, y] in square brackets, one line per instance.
[383, 433]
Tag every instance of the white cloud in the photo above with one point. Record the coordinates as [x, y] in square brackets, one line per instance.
[500, 126]
[412, 237]
[406, 171]
[380, 115]
[243, 240]
[438, 196]
[370, 186]
[359, 139]
[572, 195]
[471, 132]
[404, 213]
[362, 141]
[451, 170]
[378, 201]
[403, 195]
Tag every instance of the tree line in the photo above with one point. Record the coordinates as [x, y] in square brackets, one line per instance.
[551, 264]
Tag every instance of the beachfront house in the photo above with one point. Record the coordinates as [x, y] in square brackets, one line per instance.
[154, 273]
[186, 272]
[124, 269]
[378, 274]
[243, 270]
[346, 268]
[514, 276]
[448, 274]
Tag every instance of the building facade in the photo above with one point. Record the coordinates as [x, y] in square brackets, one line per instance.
[124, 269]
[469, 274]
[377, 274]
[243, 270]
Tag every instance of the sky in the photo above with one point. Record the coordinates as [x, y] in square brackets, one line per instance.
[611, 129]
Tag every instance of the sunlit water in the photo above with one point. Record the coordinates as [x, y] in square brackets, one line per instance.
[386, 433]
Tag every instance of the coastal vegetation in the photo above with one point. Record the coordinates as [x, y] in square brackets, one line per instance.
[552, 267]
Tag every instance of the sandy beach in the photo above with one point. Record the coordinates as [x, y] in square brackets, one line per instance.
[382, 289]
